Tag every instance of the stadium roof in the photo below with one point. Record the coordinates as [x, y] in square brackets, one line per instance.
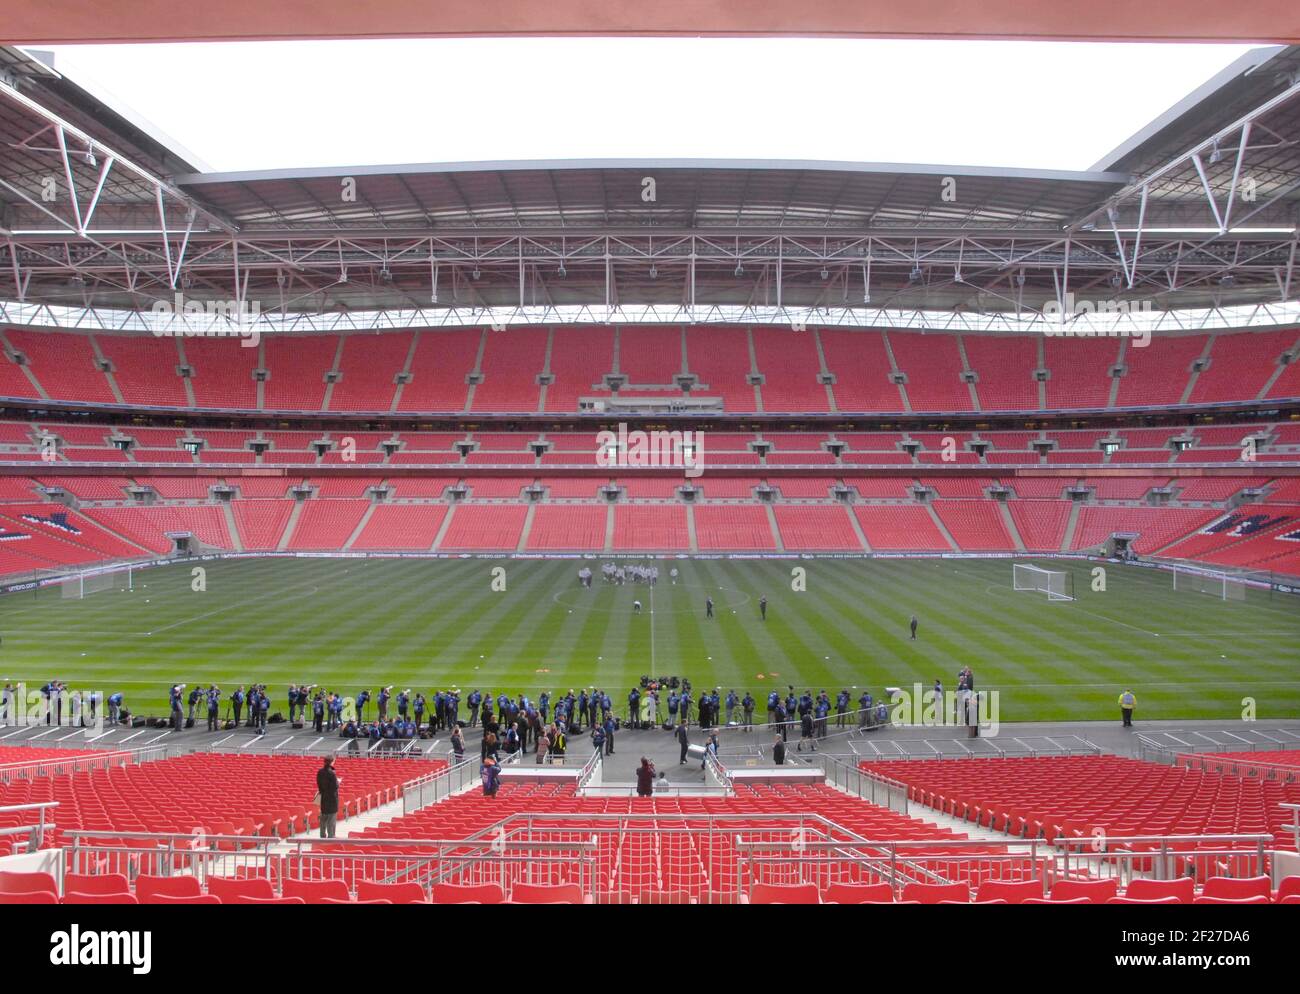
[66, 22]
[1197, 210]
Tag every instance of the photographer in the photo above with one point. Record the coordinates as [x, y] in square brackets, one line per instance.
[177, 692]
[645, 778]
[214, 699]
[327, 788]
[475, 699]
[452, 713]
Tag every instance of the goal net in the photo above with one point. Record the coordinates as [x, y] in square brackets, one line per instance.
[1056, 584]
[1216, 583]
[77, 586]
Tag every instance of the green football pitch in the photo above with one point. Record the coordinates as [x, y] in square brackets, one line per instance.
[430, 624]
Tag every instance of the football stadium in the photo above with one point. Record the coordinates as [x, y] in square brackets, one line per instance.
[649, 530]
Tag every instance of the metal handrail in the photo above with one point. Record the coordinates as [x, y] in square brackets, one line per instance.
[589, 767]
[866, 785]
[718, 772]
[779, 847]
[81, 761]
[437, 786]
[1220, 763]
[37, 831]
[1294, 824]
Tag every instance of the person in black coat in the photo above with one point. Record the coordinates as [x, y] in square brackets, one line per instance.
[778, 751]
[806, 731]
[684, 740]
[645, 778]
[327, 784]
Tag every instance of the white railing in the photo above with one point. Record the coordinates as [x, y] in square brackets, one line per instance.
[54, 766]
[705, 857]
[1238, 766]
[864, 784]
[435, 787]
[35, 831]
[587, 775]
[972, 862]
[1293, 824]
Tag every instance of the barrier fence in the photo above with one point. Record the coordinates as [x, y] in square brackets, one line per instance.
[671, 857]
[54, 766]
[1160, 750]
[454, 779]
[828, 862]
[863, 784]
[1241, 766]
[435, 787]
[34, 830]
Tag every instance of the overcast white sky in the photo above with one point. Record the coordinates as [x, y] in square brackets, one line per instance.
[271, 105]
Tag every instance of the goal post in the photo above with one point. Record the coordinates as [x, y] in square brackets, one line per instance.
[1058, 585]
[1220, 584]
[77, 586]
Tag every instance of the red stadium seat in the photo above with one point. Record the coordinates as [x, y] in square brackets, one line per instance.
[1237, 887]
[1258, 899]
[268, 900]
[936, 893]
[82, 884]
[1046, 900]
[12, 882]
[1011, 892]
[233, 890]
[330, 900]
[546, 894]
[466, 894]
[151, 890]
[1145, 890]
[408, 893]
[30, 897]
[1287, 887]
[858, 894]
[785, 894]
[189, 899]
[316, 891]
[664, 897]
[1096, 891]
[118, 898]
[1138, 900]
